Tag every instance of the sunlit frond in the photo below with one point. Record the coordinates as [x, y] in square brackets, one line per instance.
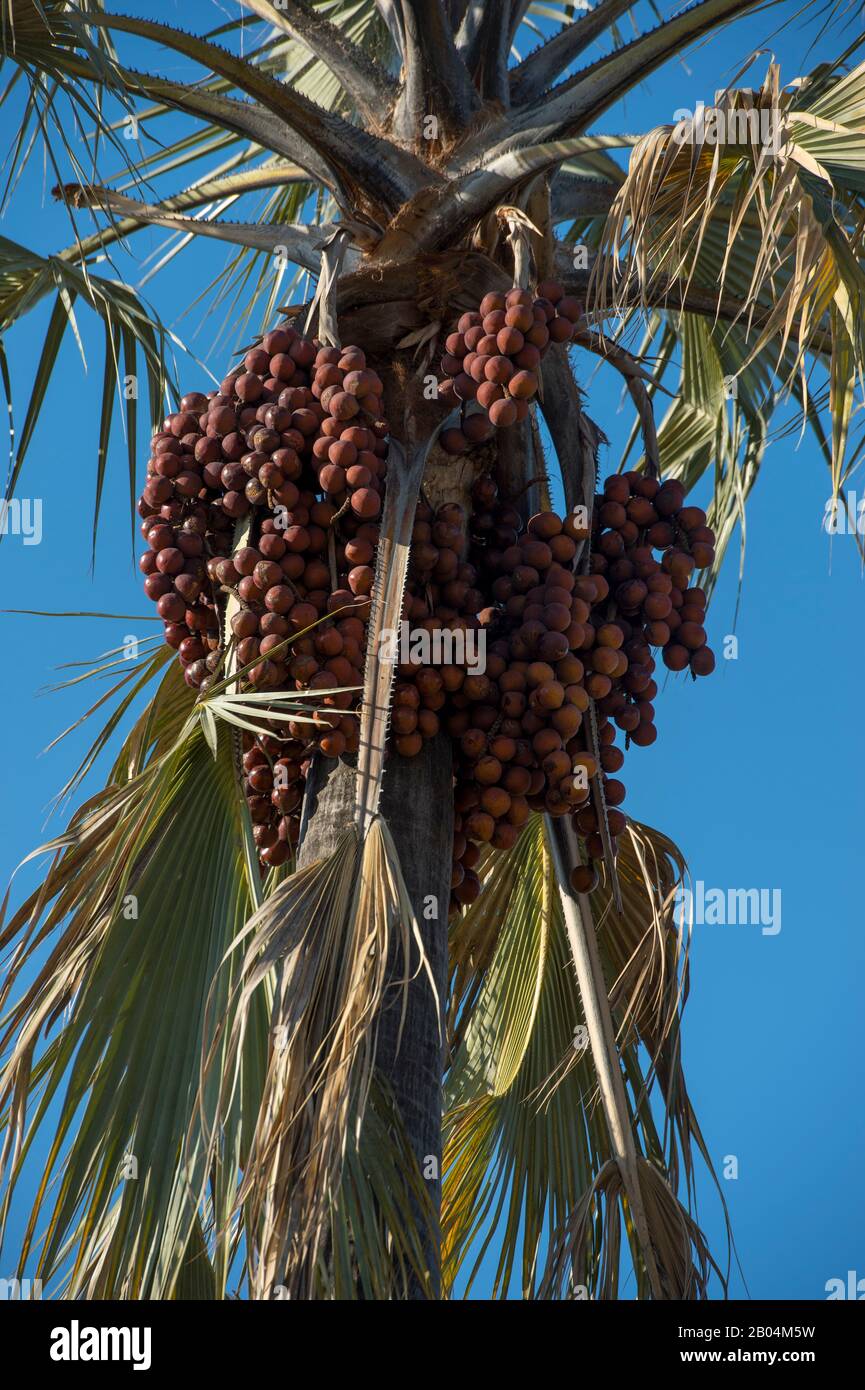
[759, 219]
[526, 1142]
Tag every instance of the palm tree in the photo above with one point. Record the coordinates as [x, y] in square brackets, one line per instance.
[264, 1079]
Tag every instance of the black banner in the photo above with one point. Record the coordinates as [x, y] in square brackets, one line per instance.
[84, 1340]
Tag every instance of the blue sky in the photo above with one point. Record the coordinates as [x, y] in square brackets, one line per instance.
[756, 773]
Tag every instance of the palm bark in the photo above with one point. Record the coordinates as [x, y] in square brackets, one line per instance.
[417, 802]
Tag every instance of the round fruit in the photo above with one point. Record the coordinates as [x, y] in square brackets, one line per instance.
[584, 878]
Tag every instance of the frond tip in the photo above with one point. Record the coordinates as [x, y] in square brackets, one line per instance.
[576, 1269]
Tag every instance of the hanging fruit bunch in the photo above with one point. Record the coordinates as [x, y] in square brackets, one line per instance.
[570, 650]
[293, 439]
[494, 355]
[294, 445]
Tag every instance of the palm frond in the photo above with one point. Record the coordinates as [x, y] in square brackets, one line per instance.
[436, 77]
[494, 1013]
[25, 279]
[324, 142]
[328, 930]
[220, 188]
[585, 1257]
[300, 242]
[712, 428]
[150, 878]
[526, 1143]
[382, 1223]
[61, 107]
[748, 285]
[736, 217]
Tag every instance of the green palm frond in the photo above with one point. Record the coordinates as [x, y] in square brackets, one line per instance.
[718, 423]
[509, 1174]
[501, 1016]
[133, 943]
[254, 276]
[129, 679]
[254, 282]
[526, 1141]
[134, 340]
[61, 109]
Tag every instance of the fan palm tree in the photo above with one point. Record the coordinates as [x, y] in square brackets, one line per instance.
[259, 1083]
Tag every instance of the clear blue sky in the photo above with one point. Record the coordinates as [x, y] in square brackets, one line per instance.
[756, 773]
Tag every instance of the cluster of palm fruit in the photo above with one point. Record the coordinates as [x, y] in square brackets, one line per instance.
[493, 356]
[441, 597]
[649, 597]
[350, 451]
[523, 740]
[295, 437]
[295, 440]
[519, 732]
[294, 420]
[571, 663]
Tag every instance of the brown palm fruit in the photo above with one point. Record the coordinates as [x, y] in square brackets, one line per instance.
[523, 385]
[487, 770]
[502, 413]
[612, 758]
[614, 791]
[628, 718]
[703, 554]
[584, 878]
[560, 329]
[703, 661]
[480, 826]
[669, 497]
[691, 635]
[676, 657]
[586, 761]
[594, 846]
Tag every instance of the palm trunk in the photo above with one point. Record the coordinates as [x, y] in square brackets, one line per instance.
[417, 802]
[417, 793]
